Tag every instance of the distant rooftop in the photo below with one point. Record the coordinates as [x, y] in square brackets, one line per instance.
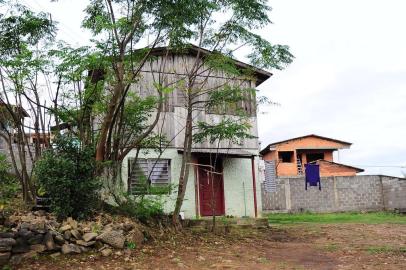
[267, 148]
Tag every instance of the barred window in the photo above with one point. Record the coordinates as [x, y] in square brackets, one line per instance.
[148, 176]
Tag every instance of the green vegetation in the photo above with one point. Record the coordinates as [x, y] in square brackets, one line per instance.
[331, 247]
[367, 218]
[131, 245]
[9, 186]
[66, 174]
[385, 249]
[144, 208]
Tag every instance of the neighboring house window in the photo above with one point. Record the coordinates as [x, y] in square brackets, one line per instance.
[148, 176]
[285, 156]
[314, 157]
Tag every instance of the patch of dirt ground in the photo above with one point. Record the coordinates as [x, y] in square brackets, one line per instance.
[302, 246]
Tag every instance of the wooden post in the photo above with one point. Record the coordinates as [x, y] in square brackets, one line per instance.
[254, 185]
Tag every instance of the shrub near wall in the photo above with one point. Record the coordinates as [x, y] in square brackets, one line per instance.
[9, 187]
[66, 174]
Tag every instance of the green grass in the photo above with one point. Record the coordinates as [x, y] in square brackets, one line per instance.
[385, 249]
[331, 247]
[366, 218]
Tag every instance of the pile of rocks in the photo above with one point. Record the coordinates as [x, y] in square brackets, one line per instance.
[26, 236]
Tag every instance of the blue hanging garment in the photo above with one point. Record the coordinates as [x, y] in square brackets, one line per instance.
[312, 172]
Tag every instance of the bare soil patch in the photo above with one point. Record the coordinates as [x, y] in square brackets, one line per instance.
[299, 246]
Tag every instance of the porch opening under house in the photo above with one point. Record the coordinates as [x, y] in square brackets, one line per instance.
[212, 182]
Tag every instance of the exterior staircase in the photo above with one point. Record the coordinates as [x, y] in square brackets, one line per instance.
[299, 167]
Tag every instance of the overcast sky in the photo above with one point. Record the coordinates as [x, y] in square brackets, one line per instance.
[348, 80]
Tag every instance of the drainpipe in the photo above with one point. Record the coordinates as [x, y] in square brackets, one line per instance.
[254, 185]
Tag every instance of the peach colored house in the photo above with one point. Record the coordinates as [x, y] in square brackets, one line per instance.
[291, 155]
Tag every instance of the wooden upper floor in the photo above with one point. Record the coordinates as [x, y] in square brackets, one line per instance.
[173, 70]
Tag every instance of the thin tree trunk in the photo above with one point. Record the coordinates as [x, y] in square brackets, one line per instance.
[184, 173]
[101, 147]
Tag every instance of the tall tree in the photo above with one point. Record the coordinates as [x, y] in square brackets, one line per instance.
[223, 28]
[23, 36]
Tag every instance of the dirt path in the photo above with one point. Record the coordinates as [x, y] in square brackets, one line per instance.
[304, 246]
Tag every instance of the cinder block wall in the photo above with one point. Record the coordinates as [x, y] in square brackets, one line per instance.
[340, 193]
[394, 193]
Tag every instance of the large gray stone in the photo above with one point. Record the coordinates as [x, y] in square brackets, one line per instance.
[6, 235]
[18, 258]
[67, 235]
[36, 239]
[106, 252]
[135, 236]
[7, 242]
[76, 234]
[49, 241]
[21, 246]
[5, 249]
[25, 226]
[25, 234]
[73, 223]
[84, 243]
[65, 228]
[38, 248]
[59, 239]
[71, 249]
[4, 257]
[115, 239]
[89, 236]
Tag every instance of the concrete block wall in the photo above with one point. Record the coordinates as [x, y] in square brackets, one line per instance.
[340, 193]
[312, 198]
[276, 201]
[394, 193]
[357, 193]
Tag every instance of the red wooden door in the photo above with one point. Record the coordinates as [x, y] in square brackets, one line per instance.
[211, 191]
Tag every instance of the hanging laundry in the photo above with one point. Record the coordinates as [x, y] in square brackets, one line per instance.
[270, 176]
[312, 178]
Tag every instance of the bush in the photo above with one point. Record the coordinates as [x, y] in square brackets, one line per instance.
[143, 208]
[9, 186]
[66, 173]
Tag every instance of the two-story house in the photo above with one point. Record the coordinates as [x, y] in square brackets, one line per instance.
[291, 155]
[234, 188]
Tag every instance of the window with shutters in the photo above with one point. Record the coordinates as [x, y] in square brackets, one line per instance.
[148, 176]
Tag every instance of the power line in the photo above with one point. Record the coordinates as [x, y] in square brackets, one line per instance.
[382, 166]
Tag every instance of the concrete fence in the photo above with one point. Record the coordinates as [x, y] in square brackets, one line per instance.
[340, 193]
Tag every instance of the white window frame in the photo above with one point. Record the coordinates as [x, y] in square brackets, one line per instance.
[157, 173]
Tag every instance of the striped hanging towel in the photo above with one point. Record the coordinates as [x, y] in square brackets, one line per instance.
[270, 176]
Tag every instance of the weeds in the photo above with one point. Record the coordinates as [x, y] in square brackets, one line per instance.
[131, 245]
[331, 218]
[385, 249]
[331, 247]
